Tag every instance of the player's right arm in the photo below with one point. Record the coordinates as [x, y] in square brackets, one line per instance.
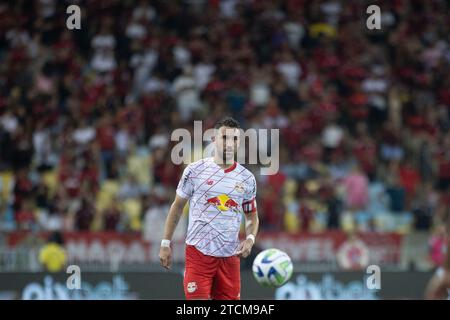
[175, 212]
[439, 285]
[437, 288]
[185, 191]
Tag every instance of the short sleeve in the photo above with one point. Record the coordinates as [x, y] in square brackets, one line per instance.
[185, 187]
[249, 203]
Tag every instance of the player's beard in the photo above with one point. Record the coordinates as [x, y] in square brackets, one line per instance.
[228, 157]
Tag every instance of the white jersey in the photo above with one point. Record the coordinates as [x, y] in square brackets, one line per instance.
[217, 198]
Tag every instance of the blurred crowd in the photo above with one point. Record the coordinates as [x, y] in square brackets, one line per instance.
[86, 115]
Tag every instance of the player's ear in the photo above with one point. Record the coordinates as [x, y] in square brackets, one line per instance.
[213, 138]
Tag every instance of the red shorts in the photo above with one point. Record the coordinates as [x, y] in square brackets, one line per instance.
[208, 277]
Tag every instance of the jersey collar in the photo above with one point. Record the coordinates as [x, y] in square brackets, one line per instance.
[233, 166]
[229, 169]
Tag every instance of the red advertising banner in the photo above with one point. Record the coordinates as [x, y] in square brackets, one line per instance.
[322, 247]
[131, 248]
[104, 247]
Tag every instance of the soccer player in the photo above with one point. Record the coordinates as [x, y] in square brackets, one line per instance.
[218, 190]
[439, 285]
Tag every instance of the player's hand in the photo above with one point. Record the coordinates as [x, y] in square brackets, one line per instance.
[244, 249]
[165, 256]
[438, 287]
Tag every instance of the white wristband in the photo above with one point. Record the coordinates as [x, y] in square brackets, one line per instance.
[165, 243]
[251, 237]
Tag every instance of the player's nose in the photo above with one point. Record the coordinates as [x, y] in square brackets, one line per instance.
[229, 144]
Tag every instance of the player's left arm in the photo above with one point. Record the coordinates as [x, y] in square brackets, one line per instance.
[251, 230]
[251, 222]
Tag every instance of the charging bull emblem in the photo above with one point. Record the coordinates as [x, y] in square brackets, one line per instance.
[224, 203]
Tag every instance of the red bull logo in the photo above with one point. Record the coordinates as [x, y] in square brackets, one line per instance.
[215, 201]
[223, 203]
[231, 204]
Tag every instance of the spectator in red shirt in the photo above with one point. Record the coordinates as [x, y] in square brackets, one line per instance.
[409, 178]
[25, 216]
[271, 212]
[106, 141]
[84, 215]
[444, 165]
[112, 217]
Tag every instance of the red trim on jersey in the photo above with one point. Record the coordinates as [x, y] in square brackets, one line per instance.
[233, 166]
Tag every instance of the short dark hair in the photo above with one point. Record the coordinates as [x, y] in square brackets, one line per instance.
[227, 122]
